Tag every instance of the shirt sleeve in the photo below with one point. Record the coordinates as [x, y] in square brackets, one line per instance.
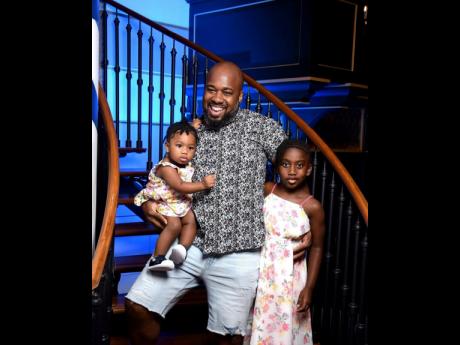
[272, 135]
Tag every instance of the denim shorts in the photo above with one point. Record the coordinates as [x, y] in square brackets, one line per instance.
[230, 280]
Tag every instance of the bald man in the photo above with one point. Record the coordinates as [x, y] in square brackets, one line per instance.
[234, 144]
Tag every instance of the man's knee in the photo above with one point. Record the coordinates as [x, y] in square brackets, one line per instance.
[143, 325]
[136, 311]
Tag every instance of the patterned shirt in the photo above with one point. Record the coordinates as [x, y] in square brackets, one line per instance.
[230, 215]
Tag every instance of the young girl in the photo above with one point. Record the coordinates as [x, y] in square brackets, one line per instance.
[170, 184]
[284, 291]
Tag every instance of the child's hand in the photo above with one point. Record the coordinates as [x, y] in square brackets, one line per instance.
[209, 181]
[196, 123]
[304, 300]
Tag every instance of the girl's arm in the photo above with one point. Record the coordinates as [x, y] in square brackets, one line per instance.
[172, 178]
[315, 213]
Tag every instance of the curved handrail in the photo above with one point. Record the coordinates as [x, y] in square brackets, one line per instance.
[349, 182]
[108, 222]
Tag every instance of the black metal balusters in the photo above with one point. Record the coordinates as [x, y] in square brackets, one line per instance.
[248, 97]
[161, 95]
[139, 87]
[345, 286]
[314, 172]
[195, 82]
[128, 86]
[337, 272]
[258, 105]
[105, 61]
[269, 111]
[361, 327]
[117, 75]
[328, 251]
[172, 100]
[288, 128]
[353, 306]
[323, 182]
[150, 90]
[183, 107]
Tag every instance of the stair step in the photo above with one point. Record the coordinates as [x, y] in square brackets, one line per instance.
[118, 304]
[125, 199]
[195, 296]
[130, 263]
[133, 173]
[136, 229]
[124, 150]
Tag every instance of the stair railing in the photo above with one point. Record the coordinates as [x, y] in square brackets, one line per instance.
[102, 267]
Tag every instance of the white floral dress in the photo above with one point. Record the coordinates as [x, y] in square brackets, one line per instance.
[275, 319]
[170, 202]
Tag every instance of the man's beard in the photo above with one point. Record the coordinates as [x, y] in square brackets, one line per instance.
[216, 125]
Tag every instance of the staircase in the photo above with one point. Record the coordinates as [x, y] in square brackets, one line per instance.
[339, 312]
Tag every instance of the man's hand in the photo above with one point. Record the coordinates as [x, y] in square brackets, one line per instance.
[150, 211]
[300, 250]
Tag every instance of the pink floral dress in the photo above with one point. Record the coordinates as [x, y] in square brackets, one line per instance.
[171, 202]
[275, 319]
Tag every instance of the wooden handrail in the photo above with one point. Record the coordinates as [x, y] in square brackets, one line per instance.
[349, 182]
[108, 222]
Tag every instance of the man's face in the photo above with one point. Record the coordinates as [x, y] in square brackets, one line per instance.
[222, 94]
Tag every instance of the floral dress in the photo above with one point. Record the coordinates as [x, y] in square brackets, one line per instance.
[275, 319]
[171, 202]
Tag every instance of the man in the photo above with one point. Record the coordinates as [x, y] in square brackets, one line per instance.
[234, 144]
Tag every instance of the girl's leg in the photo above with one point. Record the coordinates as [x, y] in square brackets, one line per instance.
[187, 235]
[168, 235]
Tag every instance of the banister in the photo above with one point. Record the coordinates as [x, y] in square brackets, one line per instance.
[349, 182]
[108, 222]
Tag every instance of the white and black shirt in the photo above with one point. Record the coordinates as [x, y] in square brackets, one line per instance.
[229, 216]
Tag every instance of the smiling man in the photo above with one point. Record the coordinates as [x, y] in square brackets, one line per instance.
[222, 95]
[234, 144]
